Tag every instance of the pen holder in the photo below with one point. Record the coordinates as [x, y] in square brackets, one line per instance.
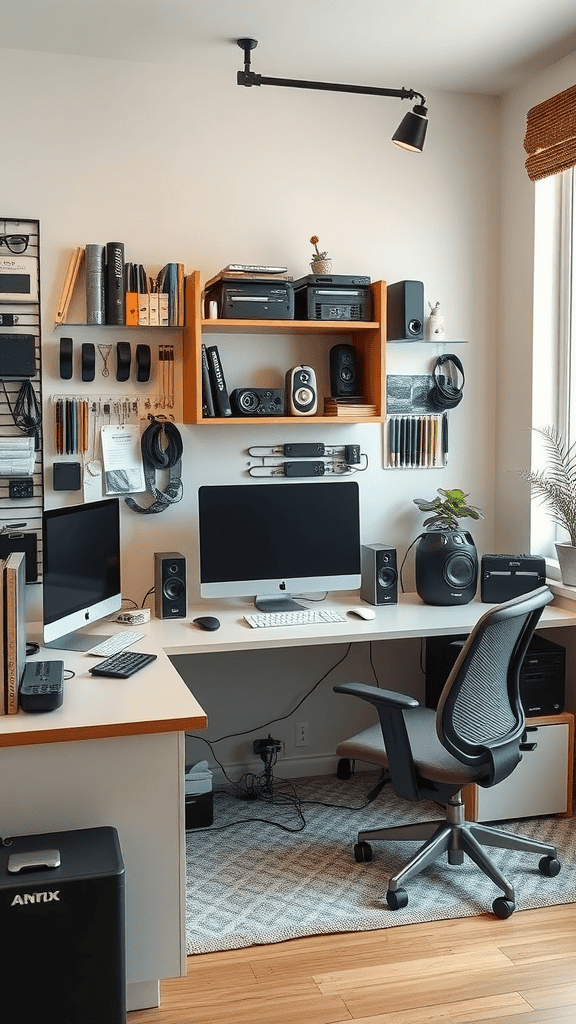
[416, 442]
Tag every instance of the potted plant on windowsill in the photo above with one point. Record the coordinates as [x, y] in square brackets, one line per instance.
[556, 485]
[446, 556]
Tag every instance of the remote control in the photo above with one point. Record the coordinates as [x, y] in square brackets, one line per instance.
[42, 686]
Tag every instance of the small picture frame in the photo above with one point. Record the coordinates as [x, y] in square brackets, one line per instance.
[18, 278]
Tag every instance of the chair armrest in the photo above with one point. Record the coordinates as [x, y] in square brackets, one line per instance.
[376, 696]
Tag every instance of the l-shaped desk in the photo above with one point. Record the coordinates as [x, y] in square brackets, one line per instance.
[113, 754]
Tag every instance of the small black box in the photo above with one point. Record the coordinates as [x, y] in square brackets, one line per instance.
[199, 809]
[333, 297]
[238, 299]
[503, 577]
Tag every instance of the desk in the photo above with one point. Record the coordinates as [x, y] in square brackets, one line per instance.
[113, 754]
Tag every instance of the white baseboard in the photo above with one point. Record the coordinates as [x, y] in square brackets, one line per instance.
[285, 768]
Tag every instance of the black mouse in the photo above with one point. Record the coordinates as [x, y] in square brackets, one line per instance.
[207, 622]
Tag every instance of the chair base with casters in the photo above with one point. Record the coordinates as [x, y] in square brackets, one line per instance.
[477, 735]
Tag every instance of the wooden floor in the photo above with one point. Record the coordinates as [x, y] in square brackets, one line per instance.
[454, 972]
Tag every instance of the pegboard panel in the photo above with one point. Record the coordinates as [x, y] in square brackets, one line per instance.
[21, 446]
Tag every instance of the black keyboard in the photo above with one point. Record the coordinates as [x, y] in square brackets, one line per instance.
[123, 664]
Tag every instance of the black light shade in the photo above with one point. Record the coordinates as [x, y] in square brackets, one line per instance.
[411, 131]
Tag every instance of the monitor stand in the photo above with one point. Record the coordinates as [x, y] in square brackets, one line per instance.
[76, 642]
[278, 604]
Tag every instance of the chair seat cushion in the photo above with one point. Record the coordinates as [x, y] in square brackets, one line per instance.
[432, 760]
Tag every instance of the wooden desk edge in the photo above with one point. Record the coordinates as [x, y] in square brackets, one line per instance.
[97, 732]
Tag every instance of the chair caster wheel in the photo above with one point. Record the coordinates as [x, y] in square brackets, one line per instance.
[344, 768]
[397, 900]
[503, 908]
[549, 866]
[362, 852]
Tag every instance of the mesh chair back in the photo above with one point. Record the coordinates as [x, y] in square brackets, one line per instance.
[480, 718]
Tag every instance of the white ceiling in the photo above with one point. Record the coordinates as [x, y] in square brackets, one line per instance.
[483, 46]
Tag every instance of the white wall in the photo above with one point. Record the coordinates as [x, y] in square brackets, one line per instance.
[205, 173]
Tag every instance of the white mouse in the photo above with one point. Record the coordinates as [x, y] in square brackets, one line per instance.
[362, 613]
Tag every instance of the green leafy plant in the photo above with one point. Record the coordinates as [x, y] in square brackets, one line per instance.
[557, 484]
[317, 256]
[448, 510]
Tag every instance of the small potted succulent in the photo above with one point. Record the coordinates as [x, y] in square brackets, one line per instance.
[320, 263]
[446, 556]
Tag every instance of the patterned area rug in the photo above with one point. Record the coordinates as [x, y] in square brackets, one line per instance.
[254, 883]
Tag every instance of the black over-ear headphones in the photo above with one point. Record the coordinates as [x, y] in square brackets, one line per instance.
[445, 394]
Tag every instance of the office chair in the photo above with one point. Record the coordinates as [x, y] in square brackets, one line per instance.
[476, 735]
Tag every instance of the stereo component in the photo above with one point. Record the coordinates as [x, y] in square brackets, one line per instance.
[379, 574]
[301, 394]
[63, 893]
[446, 567]
[332, 297]
[503, 577]
[405, 304]
[239, 299]
[344, 376]
[258, 401]
[542, 674]
[169, 585]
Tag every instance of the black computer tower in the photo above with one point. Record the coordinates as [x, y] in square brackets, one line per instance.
[62, 914]
[542, 676]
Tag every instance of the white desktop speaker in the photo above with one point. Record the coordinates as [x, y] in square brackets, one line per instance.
[301, 392]
[170, 585]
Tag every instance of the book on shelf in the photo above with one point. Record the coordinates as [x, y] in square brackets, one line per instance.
[115, 283]
[208, 410]
[351, 406]
[14, 627]
[219, 391]
[251, 268]
[170, 281]
[131, 318]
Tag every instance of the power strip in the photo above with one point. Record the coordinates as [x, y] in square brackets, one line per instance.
[134, 618]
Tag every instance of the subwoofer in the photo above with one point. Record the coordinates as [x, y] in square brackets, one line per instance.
[170, 585]
[405, 304]
[446, 567]
[379, 574]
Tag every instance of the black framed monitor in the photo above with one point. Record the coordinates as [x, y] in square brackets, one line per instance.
[81, 578]
[269, 541]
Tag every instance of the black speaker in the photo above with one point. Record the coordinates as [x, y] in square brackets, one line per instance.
[62, 894]
[446, 567]
[344, 375]
[542, 674]
[379, 574]
[405, 304]
[170, 585]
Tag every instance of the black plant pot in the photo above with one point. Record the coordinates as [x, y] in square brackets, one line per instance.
[446, 567]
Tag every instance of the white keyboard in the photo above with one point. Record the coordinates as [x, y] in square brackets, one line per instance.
[303, 618]
[118, 642]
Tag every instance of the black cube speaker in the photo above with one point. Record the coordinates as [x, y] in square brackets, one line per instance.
[62, 902]
[344, 375]
[379, 574]
[405, 304]
[446, 567]
[169, 585]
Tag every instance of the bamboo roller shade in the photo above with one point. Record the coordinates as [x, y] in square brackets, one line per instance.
[550, 139]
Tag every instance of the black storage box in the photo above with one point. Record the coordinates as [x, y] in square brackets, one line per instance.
[62, 911]
[199, 810]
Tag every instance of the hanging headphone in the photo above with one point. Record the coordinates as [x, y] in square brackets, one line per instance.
[444, 393]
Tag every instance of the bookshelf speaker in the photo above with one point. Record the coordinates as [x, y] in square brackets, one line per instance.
[379, 574]
[405, 302]
[62, 897]
[170, 585]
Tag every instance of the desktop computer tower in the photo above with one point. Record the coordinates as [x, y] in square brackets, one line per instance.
[62, 917]
[542, 675]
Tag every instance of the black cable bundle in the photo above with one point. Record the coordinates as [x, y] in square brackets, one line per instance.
[444, 393]
[161, 449]
[27, 414]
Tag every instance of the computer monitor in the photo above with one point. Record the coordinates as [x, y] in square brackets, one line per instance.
[81, 577]
[269, 541]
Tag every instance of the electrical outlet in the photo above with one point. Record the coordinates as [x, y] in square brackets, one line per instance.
[302, 734]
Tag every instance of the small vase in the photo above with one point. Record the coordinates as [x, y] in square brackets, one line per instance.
[321, 266]
[567, 558]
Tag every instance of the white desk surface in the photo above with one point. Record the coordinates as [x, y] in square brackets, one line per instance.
[156, 699]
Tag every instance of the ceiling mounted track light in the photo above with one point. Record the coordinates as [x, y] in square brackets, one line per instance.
[411, 131]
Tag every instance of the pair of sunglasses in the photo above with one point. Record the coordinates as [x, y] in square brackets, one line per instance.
[15, 243]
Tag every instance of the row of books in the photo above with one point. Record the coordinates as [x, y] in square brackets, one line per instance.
[121, 293]
[13, 617]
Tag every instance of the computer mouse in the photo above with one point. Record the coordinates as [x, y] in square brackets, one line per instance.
[207, 622]
[362, 613]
